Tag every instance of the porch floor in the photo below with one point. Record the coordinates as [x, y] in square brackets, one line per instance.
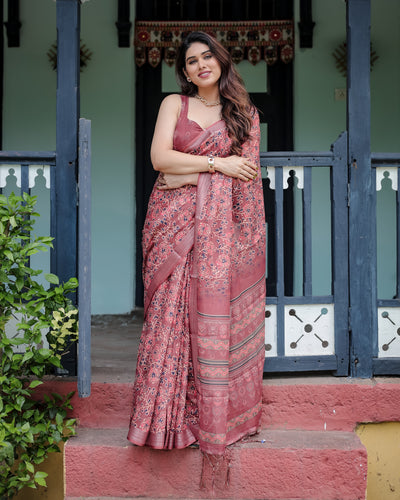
[115, 342]
[114, 346]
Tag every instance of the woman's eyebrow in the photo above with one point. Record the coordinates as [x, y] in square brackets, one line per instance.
[202, 54]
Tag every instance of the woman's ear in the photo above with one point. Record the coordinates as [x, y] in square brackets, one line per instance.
[185, 72]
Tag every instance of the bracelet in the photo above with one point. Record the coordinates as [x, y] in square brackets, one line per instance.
[211, 167]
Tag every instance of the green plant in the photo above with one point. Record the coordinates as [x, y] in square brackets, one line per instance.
[29, 429]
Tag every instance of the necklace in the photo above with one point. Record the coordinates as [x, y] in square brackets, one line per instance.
[205, 102]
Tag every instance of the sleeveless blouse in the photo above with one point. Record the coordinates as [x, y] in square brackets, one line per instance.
[186, 131]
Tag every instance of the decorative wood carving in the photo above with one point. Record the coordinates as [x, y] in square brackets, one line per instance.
[254, 40]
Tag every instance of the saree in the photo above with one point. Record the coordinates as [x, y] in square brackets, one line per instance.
[201, 353]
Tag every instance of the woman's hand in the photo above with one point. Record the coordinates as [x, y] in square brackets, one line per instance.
[175, 181]
[237, 167]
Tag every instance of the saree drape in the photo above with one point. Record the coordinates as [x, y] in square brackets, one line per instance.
[200, 361]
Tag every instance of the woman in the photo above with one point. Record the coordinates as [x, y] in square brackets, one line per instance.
[200, 360]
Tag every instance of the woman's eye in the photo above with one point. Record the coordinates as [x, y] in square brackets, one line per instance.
[208, 56]
[192, 61]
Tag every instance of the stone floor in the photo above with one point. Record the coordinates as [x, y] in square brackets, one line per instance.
[115, 340]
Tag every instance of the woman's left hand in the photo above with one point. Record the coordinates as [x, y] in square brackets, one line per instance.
[175, 181]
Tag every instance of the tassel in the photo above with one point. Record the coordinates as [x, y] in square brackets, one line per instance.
[215, 471]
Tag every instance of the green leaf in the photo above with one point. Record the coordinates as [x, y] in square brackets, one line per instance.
[52, 278]
[9, 255]
[59, 419]
[29, 467]
[27, 356]
[17, 341]
[45, 352]
[39, 478]
[19, 284]
[35, 383]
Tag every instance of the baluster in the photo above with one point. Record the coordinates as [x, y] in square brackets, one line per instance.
[307, 234]
[280, 271]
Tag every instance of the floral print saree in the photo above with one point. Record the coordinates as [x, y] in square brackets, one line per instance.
[201, 354]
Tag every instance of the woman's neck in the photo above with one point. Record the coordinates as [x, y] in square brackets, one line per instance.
[210, 95]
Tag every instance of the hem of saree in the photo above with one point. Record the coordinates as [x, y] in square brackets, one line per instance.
[161, 440]
[241, 432]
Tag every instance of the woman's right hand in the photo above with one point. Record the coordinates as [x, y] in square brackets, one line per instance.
[175, 181]
[237, 167]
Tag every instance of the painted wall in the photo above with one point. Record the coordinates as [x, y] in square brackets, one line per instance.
[381, 441]
[107, 98]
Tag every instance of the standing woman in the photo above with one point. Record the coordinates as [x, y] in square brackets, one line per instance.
[200, 361]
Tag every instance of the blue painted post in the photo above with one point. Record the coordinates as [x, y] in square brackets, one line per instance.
[398, 235]
[84, 259]
[362, 253]
[64, 216]
[25, 178]
[340, 248]
[307, 234]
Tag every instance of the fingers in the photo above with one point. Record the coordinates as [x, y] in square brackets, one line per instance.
[247, 170]
[161, 182]
[237, 167]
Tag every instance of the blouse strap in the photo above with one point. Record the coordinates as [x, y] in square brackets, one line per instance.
[184, 108]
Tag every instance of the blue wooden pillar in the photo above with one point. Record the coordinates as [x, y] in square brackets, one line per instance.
[362, 263]
[64, 200]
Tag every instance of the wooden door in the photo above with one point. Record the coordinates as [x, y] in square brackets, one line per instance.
[275, 105]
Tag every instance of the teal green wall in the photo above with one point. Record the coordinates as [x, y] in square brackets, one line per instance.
[385, 131]
[108, 99]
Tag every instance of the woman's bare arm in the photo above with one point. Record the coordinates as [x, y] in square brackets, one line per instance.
[168, 161]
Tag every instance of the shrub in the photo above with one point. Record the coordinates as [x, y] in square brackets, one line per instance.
[46, 324]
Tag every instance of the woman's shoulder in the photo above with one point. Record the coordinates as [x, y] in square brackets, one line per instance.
[172, 100]
[171, 105]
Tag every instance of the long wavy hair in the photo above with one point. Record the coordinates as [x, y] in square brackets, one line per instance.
[236, 104]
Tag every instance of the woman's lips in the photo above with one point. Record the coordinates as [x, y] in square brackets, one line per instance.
[204, 74]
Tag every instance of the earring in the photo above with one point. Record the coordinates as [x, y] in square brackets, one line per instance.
[188, 79]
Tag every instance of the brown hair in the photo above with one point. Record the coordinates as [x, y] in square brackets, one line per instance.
[236, 105]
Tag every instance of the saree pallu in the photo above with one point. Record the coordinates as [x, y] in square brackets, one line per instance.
[200, 361]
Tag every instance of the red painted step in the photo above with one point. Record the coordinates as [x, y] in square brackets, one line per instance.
[276, 464]
[312, 404]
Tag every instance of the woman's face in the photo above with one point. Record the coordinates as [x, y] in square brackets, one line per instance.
[201, 66]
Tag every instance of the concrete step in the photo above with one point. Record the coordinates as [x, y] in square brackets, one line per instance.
[141, 498]
[317, 403]
[275, 464]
